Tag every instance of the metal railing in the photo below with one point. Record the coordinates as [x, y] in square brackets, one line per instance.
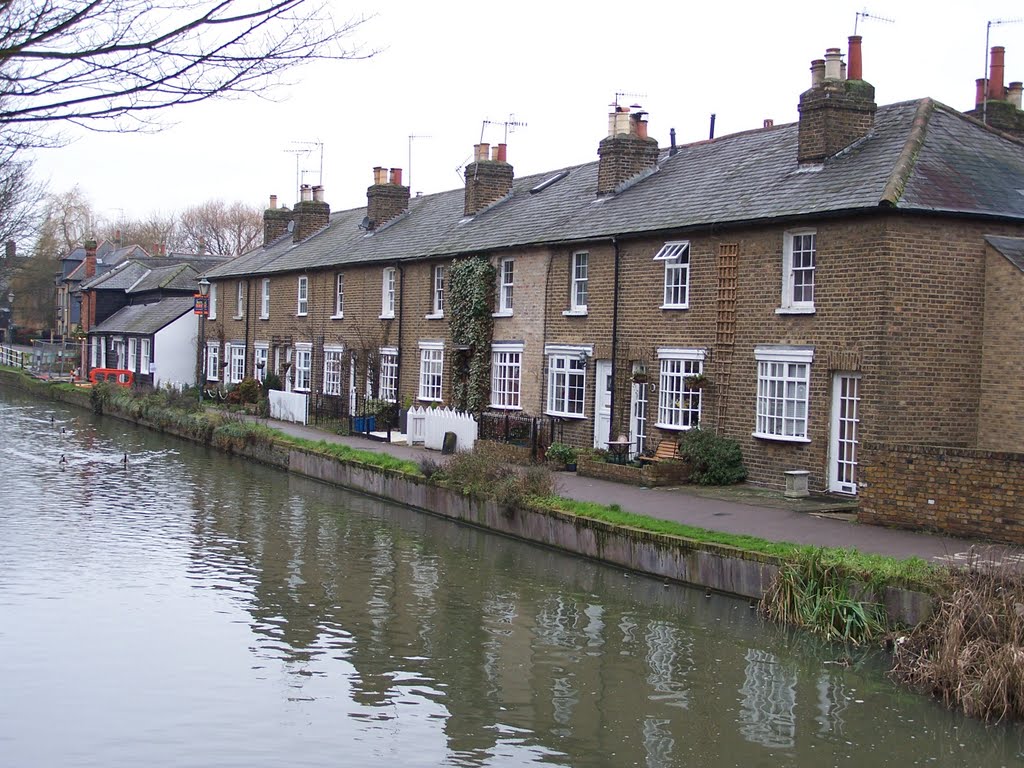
[533, 432]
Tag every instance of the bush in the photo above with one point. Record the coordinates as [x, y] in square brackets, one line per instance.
[248, 391]
[560, 453]
[715, 460]
[273, 381]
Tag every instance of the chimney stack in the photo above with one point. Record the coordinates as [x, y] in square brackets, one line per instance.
[275, 221]
[999, 106]
[311, 213]
[626, 151]
[836, 111]
[386, 198]
[90, 259]
[488, 178]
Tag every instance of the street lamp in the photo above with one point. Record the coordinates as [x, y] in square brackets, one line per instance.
[204, 308]
[10, 317]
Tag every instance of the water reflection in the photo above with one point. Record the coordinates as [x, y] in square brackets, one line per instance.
[248, 617]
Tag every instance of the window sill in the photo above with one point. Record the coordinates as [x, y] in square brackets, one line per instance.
[429, 399]
[387, 317]
[238, 317]
[674, 306]
[502, 313]
[574, 313]
[565, 415]
[264, 317]
[794, 311]
[673, 427]
[434, 316]
[211, 317]
[497, 407]
[337, 317]
[300, 389]
[302, 314]
[780, 438]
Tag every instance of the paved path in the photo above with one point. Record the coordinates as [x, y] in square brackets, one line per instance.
[772, 517]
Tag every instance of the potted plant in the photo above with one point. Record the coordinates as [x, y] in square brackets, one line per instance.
[562, 455]
[640, 377]
[697, 381]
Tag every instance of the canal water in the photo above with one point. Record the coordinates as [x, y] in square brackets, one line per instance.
[190, 609]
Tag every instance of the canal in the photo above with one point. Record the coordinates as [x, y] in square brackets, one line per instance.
[185, 608]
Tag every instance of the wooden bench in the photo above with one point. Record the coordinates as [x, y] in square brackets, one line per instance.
[668, 450]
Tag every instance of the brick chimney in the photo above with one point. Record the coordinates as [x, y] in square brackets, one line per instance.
[836, 111]
[386, 198]
[488, 178]
[90, 259]
[275, 221]
[311, 213]
[995, 103]
[626, 151]
[10, 249]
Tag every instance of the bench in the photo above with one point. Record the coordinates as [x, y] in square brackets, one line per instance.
[668, 450]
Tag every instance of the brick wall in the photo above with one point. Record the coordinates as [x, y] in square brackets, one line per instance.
[417, 305]
[962, 492]
[1000, 427]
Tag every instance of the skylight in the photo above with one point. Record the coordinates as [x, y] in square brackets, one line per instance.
[549, 181]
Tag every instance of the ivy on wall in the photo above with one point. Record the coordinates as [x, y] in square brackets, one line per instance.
[471, 301]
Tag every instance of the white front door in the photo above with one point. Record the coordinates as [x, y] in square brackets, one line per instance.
[842, 472]
[602, 403]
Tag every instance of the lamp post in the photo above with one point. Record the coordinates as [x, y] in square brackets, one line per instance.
[203, 309]
[10, 317]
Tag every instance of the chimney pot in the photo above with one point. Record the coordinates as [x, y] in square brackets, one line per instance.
[979, 91]
[996, 89]
[318, 194]
[1013, 93]
[306, 193]
[502, 153]
[768, 122]
[380, 175]
[396, 176]
[273, 202]
[494, 154]
[856, 68]
[833, 62]
[817, 72]
[485, 152]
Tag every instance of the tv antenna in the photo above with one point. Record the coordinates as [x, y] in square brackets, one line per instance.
[412, 138]
[509, 125]
[303, 149]
[866, 15]
[988, 30]
[619, 95]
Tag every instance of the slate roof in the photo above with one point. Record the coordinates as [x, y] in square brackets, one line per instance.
[179, 272]
[145, 319]
[180, 277]
[920, 156]
[1011, 247]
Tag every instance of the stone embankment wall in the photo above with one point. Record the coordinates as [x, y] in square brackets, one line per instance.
[955, 491]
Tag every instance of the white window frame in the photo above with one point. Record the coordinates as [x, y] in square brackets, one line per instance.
[133, 350]
[794, 264]
[240, 300]
[339, 296]
[213, 360]
[97, 344]
[506, 287]
[333, 356]
[146, 347]
[567, 380]
[212, 313]
[117, 343]
[236, 360]
[783, 404]
[431, 386]
[507, 376]
[679, 405]
[388, 365]
[265, 299]
[676, 255]
[436, 292]
[302, 297]
[303, 365]
[387, 293]
[579, 283]
[260, 352]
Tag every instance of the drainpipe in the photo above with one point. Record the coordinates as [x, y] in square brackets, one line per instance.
[613, 423]
[399, 294]
[248, 319]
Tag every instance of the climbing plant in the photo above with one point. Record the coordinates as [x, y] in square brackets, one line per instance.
[471, 302]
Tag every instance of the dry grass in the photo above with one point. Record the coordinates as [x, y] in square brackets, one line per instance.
[971, 653]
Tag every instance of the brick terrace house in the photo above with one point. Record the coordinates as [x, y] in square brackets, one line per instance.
[852, 278]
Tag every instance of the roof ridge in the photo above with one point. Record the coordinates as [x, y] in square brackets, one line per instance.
[897, 182]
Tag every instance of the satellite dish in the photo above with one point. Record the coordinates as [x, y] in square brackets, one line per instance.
[366, 224]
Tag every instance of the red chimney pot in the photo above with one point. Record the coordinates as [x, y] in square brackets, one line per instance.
[996, 89]
[855, 69]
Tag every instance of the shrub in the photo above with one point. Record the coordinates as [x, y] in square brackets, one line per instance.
[429, 467]
[273, 381]
[560, 453]
[715, 460]
[248, 391]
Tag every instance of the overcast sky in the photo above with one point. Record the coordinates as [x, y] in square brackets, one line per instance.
[446, 67]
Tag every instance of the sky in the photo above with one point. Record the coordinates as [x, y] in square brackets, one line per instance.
[444, 68]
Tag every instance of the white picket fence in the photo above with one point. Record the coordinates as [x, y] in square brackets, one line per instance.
[428, 425]
[288, 406]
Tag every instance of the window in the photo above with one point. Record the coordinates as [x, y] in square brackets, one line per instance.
[265, 299]
[236, 358]
[303, 297]
[431, 368]
[677, 274]
[212, 357]
[387, 299]
[303, 366]
[332, 370]
[212, 314]
[97, 342]
[578, 289]
[133, 348]
[260, 354]
[506, 275]
[147, 355]
[506, 375]
[783, 385]
[567, 380]
[389, 374]
[119, 361]
[352, 362]
[240, 300]
[678, 399]
[798, 258]
[437, 293]
[339, 296]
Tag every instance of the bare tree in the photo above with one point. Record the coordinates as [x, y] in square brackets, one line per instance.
[110, 64]
[215, 226]
[156, 233]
